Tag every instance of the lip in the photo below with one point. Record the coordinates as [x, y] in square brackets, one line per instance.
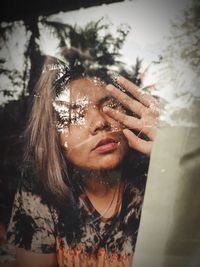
[106, 145]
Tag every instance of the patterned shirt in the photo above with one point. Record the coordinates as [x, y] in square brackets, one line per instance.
[82, 238]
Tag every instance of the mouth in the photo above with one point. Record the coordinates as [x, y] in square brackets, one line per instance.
[106, 145]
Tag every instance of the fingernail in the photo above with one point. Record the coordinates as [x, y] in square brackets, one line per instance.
[113, 75]
[125, 131]
[120, 78]
[152, 86]
[109, 87]
[105, 109]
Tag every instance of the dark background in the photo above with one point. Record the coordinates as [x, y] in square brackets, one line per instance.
[24, 9]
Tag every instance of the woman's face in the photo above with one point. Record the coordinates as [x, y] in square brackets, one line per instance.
[90, 138]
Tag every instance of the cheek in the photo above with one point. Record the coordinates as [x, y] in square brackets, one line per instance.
[63, 138]
[70, 147]
[115, 125]
[123, 142]
[73, 138]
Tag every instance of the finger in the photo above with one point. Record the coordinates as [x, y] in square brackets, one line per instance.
[127, 101]
[137, 143]
[150, 87]
[128, 121]
[154, 105]
[154, 109]
[149, 129]
[142, 96]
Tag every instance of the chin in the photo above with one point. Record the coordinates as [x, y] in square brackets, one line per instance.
[107, 164]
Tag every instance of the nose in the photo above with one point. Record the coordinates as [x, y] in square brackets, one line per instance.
[98, 122]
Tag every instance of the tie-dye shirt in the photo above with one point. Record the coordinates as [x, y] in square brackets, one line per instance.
[91, 240]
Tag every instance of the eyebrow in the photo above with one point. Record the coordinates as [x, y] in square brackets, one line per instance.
[77, 106]
[70, 105]
[74, 106]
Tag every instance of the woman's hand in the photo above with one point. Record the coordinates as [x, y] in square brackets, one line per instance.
[142, 104]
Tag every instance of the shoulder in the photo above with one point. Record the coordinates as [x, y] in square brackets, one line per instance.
[32, 224]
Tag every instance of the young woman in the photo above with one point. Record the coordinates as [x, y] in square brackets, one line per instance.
[80, 199]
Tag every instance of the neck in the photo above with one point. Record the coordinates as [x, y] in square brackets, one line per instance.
[100, 182]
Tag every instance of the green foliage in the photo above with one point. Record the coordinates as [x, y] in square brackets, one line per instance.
[185, 36]
[92, 43]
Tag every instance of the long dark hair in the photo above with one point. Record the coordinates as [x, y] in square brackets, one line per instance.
[42, 151]
[43, 154]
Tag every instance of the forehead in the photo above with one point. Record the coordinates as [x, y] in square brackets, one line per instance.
[90, 88]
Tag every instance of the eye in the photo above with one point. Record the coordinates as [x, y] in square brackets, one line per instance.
[78, 116]
[110, 103]
[81, 112]
[78, 113]
[113, 103]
